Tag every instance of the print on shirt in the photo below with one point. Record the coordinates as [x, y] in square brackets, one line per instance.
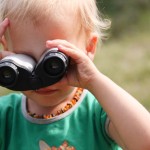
[64, 146]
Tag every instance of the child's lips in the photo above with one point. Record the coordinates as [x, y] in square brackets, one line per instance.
[46, 91]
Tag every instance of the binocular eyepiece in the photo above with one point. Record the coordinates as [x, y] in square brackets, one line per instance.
[20, 72]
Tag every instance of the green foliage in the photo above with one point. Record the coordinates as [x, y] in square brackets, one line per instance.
[116, 7]
[125, 14]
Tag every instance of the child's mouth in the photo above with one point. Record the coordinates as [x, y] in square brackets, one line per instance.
[45, 91]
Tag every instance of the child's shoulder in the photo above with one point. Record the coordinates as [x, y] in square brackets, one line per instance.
[10, 99]
[89, 95]
[90, 98]
[91, 102]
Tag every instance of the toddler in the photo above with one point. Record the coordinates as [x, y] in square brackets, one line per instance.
[85, 110]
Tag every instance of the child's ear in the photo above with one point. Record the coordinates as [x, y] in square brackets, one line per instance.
[91, 46]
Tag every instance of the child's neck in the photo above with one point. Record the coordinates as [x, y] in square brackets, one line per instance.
[52, 111]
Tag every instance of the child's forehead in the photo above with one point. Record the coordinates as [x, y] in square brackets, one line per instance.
[83, 11]
[39, 13]
[41, 30]
[46, 22]
[42, 15]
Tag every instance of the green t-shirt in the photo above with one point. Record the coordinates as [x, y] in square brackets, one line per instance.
[83, 127]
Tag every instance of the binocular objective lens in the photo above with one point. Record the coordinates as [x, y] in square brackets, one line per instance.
[7, 76]
[54, 66]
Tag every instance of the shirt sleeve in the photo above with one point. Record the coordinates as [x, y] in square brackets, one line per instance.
[102, 122]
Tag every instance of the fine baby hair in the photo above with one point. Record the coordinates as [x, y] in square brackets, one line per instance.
[26, 10]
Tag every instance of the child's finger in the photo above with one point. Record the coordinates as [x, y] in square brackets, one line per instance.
[73, 53]
[3, 26]
[56, 42]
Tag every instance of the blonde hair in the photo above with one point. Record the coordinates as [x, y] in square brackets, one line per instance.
[90, 17]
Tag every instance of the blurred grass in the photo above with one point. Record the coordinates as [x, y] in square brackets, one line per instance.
[127, 62]
[126, 59]
[4, 91]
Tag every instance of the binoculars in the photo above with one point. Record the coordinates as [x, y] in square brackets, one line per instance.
[20, 72]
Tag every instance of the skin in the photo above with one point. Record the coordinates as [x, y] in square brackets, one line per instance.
[130, 121]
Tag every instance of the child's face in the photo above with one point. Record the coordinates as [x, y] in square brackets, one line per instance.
[31, 40]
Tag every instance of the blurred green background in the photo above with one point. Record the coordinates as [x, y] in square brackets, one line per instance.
[125, 56]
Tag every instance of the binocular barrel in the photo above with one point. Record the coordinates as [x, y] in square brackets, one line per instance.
[21, 72]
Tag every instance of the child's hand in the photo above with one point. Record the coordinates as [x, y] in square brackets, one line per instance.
[81, 69]
[3, 25]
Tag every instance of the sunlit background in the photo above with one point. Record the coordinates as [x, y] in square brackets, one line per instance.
[125, 56]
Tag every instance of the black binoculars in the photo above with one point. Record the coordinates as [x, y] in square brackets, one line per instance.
[20, 72]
